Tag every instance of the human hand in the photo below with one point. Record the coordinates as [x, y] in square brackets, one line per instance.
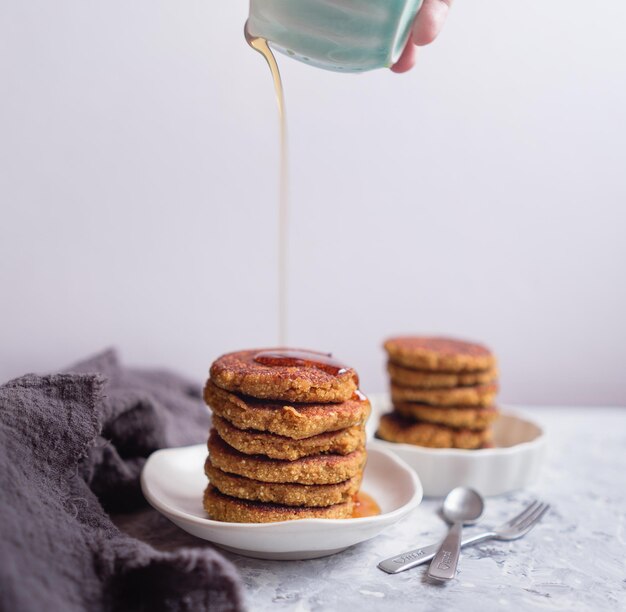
[427, 26]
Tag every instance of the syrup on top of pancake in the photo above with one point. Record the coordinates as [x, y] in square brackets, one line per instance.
[300, 358]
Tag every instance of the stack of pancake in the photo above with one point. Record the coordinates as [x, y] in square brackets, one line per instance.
[442, 392]
[288, 437]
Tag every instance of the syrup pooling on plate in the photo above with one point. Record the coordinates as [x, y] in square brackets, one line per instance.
[365, 505]
[261, 45]
[307, 359]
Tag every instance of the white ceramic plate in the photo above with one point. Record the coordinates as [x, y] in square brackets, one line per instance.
[173, 481]
[513, 464]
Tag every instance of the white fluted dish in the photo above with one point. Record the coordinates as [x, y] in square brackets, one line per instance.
[514, 462]
[173, 481]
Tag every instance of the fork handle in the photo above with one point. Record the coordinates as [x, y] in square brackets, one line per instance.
[419, 556]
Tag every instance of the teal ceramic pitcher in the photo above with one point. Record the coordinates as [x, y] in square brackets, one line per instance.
[341, 35]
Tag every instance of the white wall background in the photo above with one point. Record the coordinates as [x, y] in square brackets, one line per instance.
[481, 195]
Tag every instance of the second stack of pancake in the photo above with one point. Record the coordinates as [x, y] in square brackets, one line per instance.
[288, 441]
[443, 393]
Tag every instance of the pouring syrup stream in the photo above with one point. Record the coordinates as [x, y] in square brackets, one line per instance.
[261, 45]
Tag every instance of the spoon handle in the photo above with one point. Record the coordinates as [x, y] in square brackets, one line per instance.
[443, 566]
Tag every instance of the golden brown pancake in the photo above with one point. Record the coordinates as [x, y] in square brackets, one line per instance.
[423, 379]
[281, 493]
[293, 420]
[317, 469]
[252, 442]
[396, 428]
[468, 417]
[240, 373]
[439, 354]
[480, 395]
[222, 507]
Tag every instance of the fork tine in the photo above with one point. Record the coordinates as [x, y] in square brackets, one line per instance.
[522, 515]
[531, 520]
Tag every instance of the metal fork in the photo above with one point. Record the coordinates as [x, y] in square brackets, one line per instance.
[512, 530]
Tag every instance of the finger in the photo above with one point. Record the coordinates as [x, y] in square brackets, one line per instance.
[430, 20]
[407, 59]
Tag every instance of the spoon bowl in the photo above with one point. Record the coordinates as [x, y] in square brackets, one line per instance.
[463, 505]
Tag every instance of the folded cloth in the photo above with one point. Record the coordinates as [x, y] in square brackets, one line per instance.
[142, 411]
[71, 450]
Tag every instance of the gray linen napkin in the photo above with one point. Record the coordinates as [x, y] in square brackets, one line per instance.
[71, 450]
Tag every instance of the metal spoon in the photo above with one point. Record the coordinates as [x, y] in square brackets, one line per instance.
[462, 506]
